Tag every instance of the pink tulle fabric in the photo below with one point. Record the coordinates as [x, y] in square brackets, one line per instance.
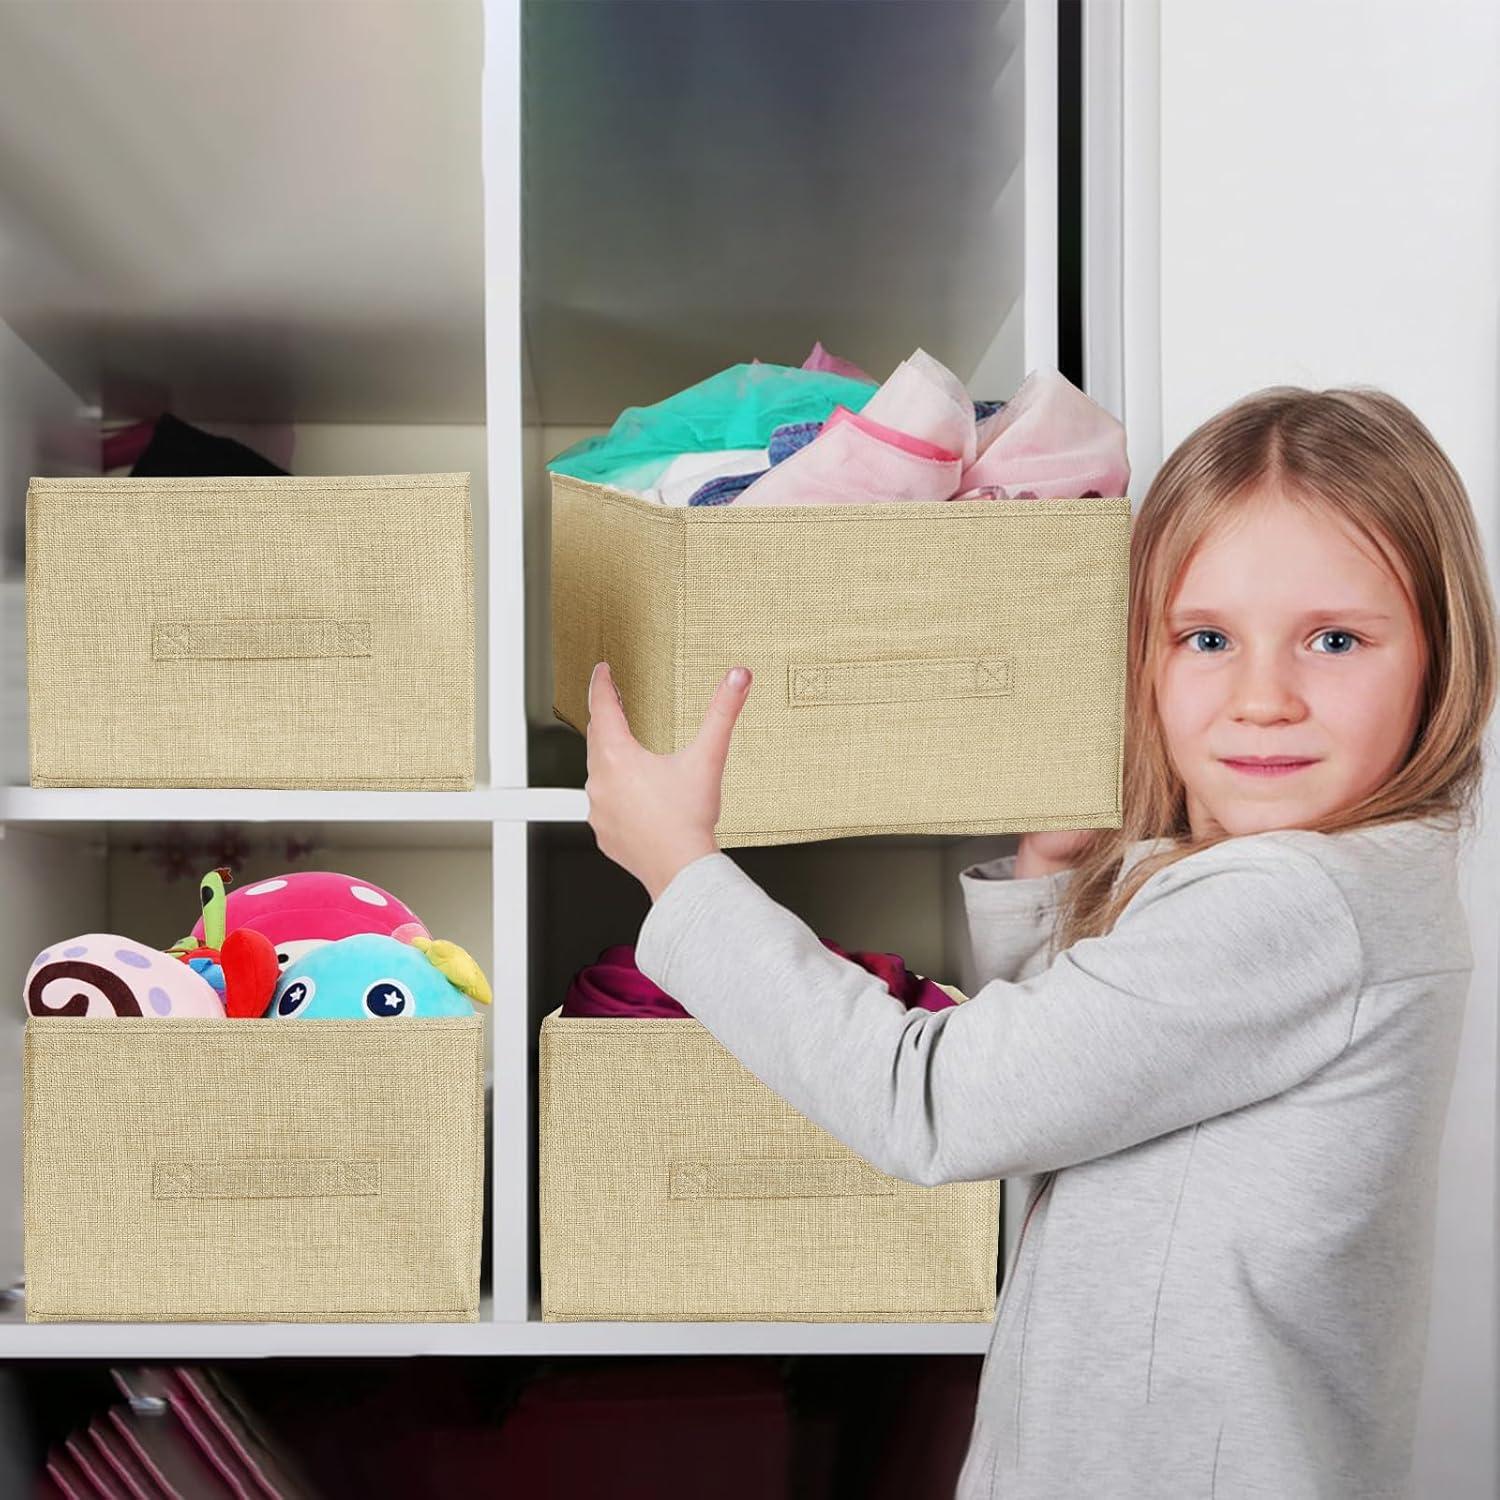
[897, 439]
[849, 464]
[916, 440]
[613, 986]
[925, 398]
[1049, 440]
[831, 364]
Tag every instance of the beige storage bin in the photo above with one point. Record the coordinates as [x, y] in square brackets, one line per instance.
[919, 668]
[204, 1170]
[675, 1185]
[251, 632]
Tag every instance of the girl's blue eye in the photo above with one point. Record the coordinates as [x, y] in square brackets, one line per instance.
[1347, 636]
[1204, 631]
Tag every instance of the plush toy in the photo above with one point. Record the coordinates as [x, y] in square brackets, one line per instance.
[241, 966]
[380, 977]
[298, 911]
[103, 974]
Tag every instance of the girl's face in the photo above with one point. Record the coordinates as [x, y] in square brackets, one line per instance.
[1287, 636]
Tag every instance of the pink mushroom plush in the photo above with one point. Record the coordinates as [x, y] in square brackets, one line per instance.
[299, 911]
[104, 974]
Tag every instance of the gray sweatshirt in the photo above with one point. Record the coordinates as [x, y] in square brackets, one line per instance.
[1232, 1105]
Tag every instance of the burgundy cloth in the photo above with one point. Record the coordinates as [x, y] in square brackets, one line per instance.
[626, 1429]
[122, 448]
[613, 986]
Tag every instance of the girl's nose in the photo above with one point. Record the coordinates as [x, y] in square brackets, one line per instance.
[1265, 689]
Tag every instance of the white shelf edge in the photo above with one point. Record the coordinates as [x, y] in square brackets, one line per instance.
[500, 186]
[24, 804]
[261, 1340]
[513, 1102]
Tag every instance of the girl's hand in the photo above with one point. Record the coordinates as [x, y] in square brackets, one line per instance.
[653, 814]
[1053, 850]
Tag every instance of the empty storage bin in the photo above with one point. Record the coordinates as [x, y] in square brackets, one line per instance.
[953, 667]
[675, 1185]
[187, 1170]
[251, 632]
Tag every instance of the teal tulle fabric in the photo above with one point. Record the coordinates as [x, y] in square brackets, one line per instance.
[737, 408]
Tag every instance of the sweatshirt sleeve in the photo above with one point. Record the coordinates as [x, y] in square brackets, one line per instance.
[1010, 919]
[1230, 977]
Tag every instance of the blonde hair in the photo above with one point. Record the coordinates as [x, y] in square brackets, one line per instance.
[1358, 454]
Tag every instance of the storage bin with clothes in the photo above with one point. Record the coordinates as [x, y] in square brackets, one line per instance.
[930, 592]
[674, 1185]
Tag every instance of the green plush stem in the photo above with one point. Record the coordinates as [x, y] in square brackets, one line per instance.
[215, 906]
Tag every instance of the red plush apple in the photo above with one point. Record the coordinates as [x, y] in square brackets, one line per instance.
[247, 958]
[250, 972]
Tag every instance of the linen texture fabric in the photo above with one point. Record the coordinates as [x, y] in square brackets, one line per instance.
[954, 667]
[674, 1185]
[251, 632]
[194, 1170]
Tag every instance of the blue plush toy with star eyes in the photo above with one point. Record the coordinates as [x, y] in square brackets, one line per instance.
[374, 977]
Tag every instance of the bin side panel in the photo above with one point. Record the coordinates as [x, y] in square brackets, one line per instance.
[675, 1185]
[617, 597]
[251, 632]
[252, 1170]
[945, 669]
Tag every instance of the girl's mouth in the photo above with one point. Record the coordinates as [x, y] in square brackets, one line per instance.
[1275, 766]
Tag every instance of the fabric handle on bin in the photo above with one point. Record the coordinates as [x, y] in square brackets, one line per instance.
[270, 1177]
[269, 639]
[777, 1177]
[899, 680]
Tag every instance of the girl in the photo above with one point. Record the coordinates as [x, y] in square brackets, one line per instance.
[1221, 1036]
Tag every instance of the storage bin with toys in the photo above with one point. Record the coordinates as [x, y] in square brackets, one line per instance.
[280, 1118]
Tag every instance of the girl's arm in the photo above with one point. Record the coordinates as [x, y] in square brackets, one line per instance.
[1011, 917]
[1231, 976]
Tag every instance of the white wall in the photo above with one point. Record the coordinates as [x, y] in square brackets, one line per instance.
[44, 429]
[1327, 216]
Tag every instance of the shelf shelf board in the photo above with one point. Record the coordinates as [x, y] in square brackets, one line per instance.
[746, 1338]
[24, 804]
[22, 1340]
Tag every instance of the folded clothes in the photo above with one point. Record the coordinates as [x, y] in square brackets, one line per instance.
[789, 437]
[1050, 440]
[722, 490]
[910, 441]
[794, 436]
[613, 986]
[762, 434]
[722, 476]
[925, 399]
[738, 408]
[690, 472]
